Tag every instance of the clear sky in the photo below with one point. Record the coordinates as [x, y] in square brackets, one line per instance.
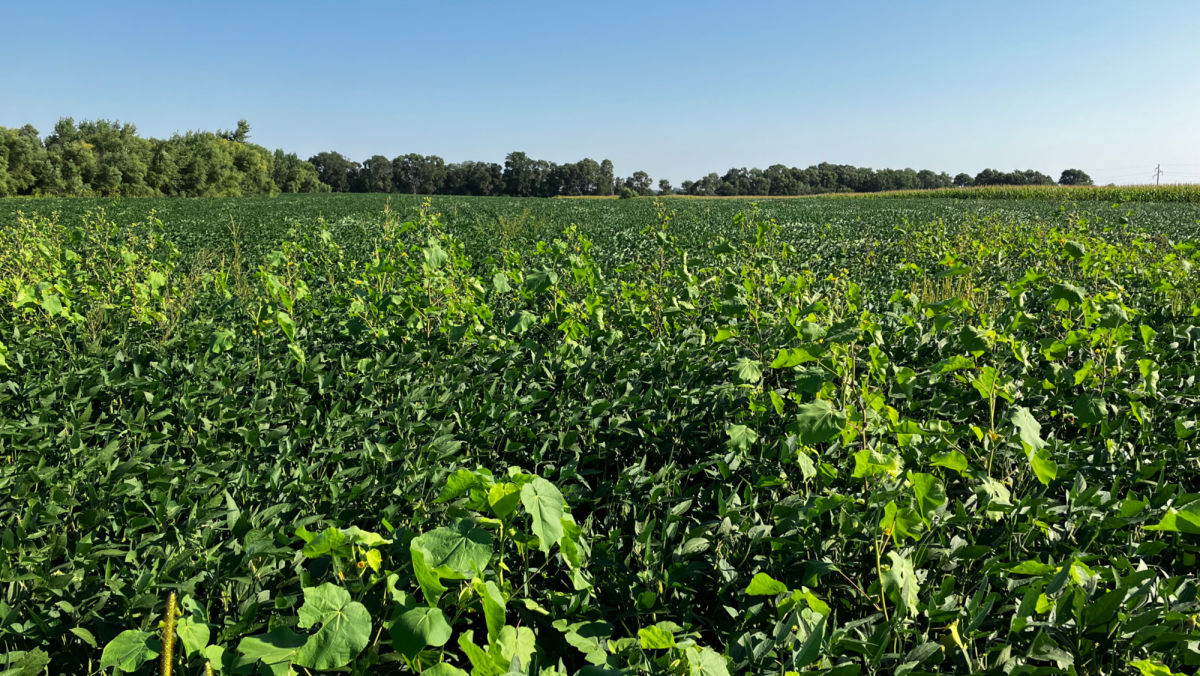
[677, 89]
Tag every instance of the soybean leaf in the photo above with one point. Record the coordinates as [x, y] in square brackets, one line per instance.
[656, 637]
[765, 585]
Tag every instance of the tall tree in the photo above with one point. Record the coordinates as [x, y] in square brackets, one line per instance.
[333, 170]
[520, 176]
[640, 181]
[24, 159]
[1074, 177]
[377, 174]
[608, 177]
[293, 175]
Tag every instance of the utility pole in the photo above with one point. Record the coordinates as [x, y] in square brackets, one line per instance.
[1158, 174]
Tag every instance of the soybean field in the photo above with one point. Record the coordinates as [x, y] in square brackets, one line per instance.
[369, 435]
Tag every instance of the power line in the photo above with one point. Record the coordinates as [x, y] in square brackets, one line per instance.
[1158, 172]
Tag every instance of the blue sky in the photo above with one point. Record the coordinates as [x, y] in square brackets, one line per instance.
[672, 88]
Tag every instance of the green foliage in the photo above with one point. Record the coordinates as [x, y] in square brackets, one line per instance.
[590, 436]
[107, 158]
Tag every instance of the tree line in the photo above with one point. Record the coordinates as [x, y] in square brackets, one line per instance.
[778, 179]
[108, 158]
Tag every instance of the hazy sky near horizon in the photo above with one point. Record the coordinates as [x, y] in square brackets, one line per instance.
[672, 88]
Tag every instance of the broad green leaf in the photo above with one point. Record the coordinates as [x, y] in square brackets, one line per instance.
[503, 498]
[364, 538]
[995, 491]
[1027, 428]
[1029, 432]
[955, 363]
[929, 492]
[456, 552]
[520, 322]
[741, 438]
[373, 559]
[431, 585]
[540, 281]
[1147, 333]
[1186, 520]
[85, 636]
[703, 661]
[991, 384]
[900, 581]
[345, 627]
[330, 541]
[220, 659]
[869, 463]
[1151, 373]
[500, 283]
[130, 650]
[819, 421]
[776, 400]
[492, 600]
[898, 522]
[545, 504]
[765, 585]
[1067, 294]
[459, 482]
[1043, 465]
[1032, 568]
[512, 643]
[287, 324]
[815, 604]
[435, 255]
[52, 304]
[810, 650]
[787, 358]
[32, 663]
[748, 370]
[443, 669]
[483, 663]
[975, 340]
[417, 628]
[1089, 409]
[950, 460]
[1151, 668]
[193, 634]
[655, 637]
[590, 638]
[277, 646]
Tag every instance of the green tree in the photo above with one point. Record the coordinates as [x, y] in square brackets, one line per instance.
[608, 178]
[1074, 177]
[333, 170]
[520, 176]
[640, 181]
[419, 174]
[24, 161]
[377, 174]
